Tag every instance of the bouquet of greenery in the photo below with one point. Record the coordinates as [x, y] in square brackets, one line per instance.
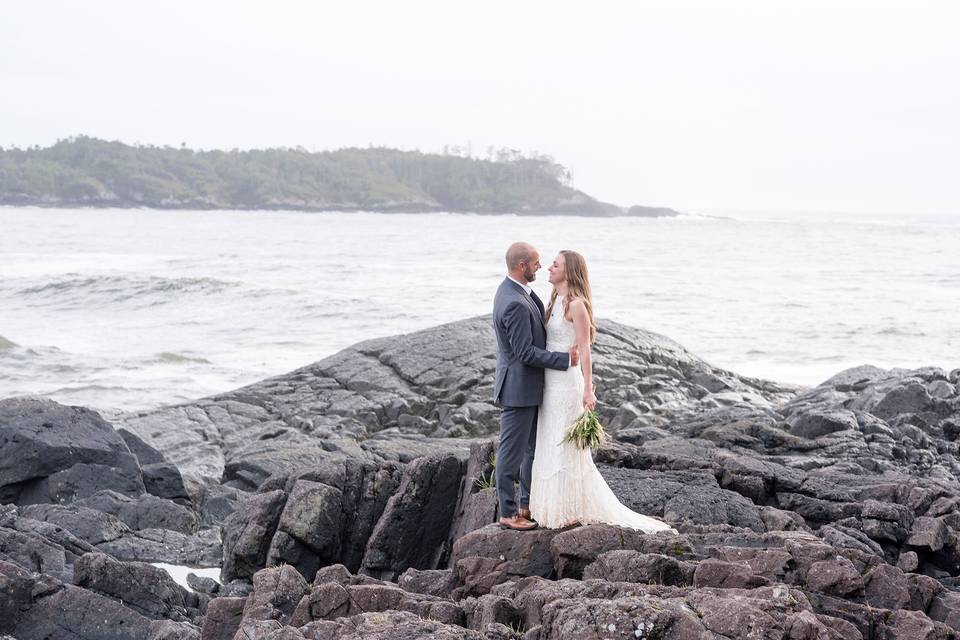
[586, 431]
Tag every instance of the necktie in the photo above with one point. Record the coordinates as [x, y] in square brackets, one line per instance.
[537, 301]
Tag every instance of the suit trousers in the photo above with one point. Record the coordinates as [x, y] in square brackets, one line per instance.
[518, 439]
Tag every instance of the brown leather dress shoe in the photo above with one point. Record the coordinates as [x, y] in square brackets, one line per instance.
[517, 523]
[525, 513]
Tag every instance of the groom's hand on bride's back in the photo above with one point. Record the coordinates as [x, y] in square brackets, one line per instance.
[574, 356]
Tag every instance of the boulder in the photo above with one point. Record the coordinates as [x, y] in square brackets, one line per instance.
[646, 568]
[82, 452]
[517, 553]
[632, 617]
[432, 582]
[820, 423]
[573, 549]
[311, 520]
[835, 576]
[222, 619]
[143, 512]
[726, 575]
[147, 589]
[413, 530]
[45, 609]
[247, 534]
[276, 593]
[33, 552]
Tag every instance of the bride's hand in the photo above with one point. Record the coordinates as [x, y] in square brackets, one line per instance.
[589, 400]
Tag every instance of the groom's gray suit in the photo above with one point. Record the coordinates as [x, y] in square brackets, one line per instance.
[521, 359]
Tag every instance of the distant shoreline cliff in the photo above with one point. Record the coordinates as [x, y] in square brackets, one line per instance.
[88, 172]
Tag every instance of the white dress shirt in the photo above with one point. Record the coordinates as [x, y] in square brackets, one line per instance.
[526, 287]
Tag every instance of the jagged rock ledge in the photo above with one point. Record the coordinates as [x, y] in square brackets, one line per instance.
[351, 499]
[400, 397]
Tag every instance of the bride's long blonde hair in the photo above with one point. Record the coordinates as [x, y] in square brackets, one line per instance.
[578, 286]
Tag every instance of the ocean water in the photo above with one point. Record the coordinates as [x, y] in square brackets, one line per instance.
[130, 309]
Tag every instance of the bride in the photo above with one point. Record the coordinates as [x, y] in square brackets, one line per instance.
[566, 488]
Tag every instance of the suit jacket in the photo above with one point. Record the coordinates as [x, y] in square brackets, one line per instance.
[521, 347]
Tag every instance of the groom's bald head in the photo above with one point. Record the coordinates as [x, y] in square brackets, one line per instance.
[523, 261]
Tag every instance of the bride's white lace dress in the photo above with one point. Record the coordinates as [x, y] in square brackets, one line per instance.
[566, 486]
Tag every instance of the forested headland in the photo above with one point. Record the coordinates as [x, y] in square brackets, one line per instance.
[85, 171]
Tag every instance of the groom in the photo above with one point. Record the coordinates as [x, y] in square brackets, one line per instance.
[521, 358]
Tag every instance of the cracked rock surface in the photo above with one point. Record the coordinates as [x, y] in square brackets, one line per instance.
[352, 499]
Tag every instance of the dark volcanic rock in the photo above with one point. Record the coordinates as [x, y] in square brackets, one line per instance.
[496, 554]
[33, 552]
[308, 534]
[248, 532]
[634, 566]
[37, 607]
[142, 587]
[163, 479]
[144, 512]
[54, 453]
[427, 386]
[831, 513]
[413, 529]
[223, 618]
[573, 549]
[276, 593]
[110, 535]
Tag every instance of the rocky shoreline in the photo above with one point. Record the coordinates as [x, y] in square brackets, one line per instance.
[350, 499]
[584, 207]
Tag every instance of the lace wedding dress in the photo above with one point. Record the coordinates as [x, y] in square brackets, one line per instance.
[566, 486]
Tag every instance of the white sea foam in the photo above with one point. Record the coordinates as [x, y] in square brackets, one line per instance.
[179, 572]
[132, 309]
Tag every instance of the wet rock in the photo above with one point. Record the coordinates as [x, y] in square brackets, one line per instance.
[52, 453]
[522, 553]
[634, 566]
[415, 524]
[170, 630]
[389, 625]
[247, 534]
[433, 582]
[929, 533]
[432, 383]
[145, 588]
[490, 609]
[43, 608]
[308, 533]
[573, 549]
[143, 512]
[816, 423]
[223, 618]
[624, 617]
[836, 576]
[163, 480]
[203, 584]
[726, 575]
[33, 552]
[276, 593]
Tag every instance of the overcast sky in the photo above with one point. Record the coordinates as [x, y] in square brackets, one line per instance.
[704, 106]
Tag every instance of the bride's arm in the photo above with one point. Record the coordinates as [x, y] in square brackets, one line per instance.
[581, 325]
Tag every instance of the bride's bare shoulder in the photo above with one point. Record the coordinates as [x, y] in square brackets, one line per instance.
[578, 308]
